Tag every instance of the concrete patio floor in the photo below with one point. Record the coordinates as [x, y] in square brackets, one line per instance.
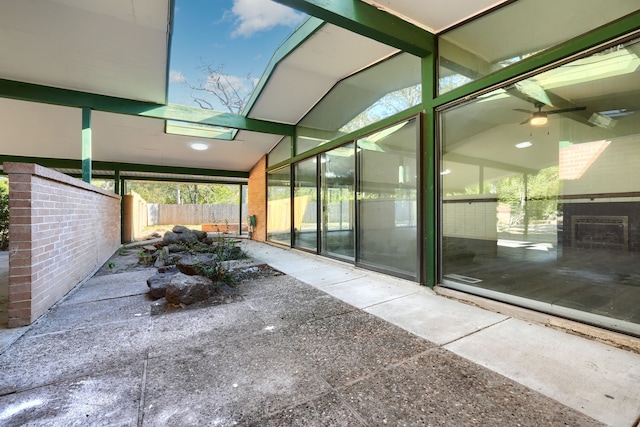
[325, 344]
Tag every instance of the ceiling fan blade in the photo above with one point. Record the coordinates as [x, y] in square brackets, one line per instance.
[566, 110]
[523, 111]
[525, 122]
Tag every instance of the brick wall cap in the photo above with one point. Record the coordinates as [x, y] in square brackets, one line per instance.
[46, 173]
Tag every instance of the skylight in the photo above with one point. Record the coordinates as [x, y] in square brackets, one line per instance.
[219, 50]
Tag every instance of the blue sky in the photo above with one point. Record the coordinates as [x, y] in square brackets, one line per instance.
[237, 37]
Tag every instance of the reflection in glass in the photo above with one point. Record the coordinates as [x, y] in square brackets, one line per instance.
[279, 206]
[388, 199]
[244, 209]
[369, 96]
[549, 213]
[337, 174]
[305, 204]
[513, 33]
[281, 152]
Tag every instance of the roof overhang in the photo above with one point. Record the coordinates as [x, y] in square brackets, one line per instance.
[60, 56]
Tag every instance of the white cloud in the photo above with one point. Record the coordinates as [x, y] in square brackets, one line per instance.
[176, 77]
[253, 16]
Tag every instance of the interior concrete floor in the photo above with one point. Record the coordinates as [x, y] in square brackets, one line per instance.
[325, 344]
[602, 282]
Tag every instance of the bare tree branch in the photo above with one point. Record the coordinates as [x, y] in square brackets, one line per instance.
[230, 91]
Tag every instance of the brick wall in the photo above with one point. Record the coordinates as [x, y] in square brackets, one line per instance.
[257, 195]
[61, 230]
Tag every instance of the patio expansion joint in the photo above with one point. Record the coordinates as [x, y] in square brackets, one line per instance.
[443, 345]
[143, 388]
[328, 285]
[389, 300]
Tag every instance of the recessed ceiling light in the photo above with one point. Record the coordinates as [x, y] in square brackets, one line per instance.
[199, 146]
[445, 172]
[524, 144]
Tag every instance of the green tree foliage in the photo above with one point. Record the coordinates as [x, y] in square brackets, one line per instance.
[4, 213]
[540, 193]
[181, 193]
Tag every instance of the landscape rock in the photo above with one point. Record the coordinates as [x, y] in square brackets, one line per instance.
[174, 247]
[181, 229]
[184, 289]
[171, 237]
[191, 264]
[158, 283]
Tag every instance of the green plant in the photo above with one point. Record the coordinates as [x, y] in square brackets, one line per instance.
[4, 215]
[216, 272]
[144, 258]
[227, 248]
[112, 265]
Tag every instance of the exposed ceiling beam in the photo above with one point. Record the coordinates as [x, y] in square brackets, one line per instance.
[124, 167]
[71, 98]
[366, 20]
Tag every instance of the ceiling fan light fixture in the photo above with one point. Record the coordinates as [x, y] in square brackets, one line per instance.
[538, 120]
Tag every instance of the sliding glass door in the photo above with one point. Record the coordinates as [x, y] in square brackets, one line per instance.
[337, 177]
[388, 200]
[305, 204]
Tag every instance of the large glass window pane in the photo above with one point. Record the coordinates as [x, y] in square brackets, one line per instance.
[337, 172]
[305, 204]
[517, 31]
[371, 95]
[244, 209]
[388, 199]
[279, 206]
[281, 152]
[541, 192]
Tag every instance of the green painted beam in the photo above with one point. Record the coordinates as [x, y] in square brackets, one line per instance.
[299, 36]
[124, 167]
[172, 20]
[430, 183]
[71, 98]
[116, 181]
[86, 144]
[366, 20]
[173, 180]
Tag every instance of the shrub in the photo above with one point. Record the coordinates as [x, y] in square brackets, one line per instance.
[4, 215]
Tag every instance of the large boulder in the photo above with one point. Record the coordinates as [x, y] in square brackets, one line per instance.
[176, 238]
[181, 229]
[158, 283]
[187, 290]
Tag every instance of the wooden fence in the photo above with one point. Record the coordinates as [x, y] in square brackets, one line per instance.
[194, 214]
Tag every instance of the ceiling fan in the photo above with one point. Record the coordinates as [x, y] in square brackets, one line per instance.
[539, 118]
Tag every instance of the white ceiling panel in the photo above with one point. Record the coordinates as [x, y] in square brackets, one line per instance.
[303, 77]
[116, 48]
[40, 130]
[435, 15]
[129, 139]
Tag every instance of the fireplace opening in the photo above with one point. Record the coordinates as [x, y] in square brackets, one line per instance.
[600, 232]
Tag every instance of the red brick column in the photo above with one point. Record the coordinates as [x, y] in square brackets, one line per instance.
[257, 195]
[61, 230]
